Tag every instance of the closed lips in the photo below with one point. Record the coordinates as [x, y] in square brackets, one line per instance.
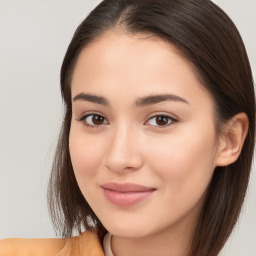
[126, 187]
[126, 194]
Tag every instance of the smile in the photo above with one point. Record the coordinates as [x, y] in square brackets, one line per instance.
[126, 194]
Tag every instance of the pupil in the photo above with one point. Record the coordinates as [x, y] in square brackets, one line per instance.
[97, 119]
[162, 120]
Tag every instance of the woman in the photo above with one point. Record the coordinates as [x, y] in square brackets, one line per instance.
[157, 141]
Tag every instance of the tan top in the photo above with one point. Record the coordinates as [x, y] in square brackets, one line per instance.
[86, 244]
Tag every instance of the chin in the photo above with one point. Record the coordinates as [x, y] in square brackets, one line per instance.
[127, 230]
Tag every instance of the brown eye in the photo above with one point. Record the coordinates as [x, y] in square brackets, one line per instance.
[98, 120]
[93, 120]
[161, 120]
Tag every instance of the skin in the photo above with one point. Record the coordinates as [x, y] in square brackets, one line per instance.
[128, 144]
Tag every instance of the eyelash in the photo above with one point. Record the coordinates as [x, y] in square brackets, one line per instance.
[171, 120]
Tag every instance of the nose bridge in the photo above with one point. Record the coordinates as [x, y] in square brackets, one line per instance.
[123, 151]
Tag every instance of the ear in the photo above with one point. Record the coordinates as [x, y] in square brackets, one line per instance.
[232, 140]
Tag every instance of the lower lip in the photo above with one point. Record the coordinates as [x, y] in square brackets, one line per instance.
[126, 198]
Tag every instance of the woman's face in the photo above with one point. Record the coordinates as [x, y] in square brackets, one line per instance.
[142, 141]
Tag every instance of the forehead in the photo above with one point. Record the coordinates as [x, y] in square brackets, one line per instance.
[128, 50]
[134, 64]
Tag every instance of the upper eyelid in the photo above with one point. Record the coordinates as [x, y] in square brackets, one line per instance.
[90, 113]
[163, 114]
[174, 119]
[149, 117]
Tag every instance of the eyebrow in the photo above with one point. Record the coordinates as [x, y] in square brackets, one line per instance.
[91, 98]
[140, 102]
[154, 99]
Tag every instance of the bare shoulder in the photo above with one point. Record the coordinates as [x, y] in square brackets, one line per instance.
[31, 246]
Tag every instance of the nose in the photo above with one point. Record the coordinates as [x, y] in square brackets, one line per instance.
[123, 152]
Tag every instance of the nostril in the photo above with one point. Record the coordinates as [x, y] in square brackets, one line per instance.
[124, 165]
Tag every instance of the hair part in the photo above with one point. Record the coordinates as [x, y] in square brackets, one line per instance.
[209, 40]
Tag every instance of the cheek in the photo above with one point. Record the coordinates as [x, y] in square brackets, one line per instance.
[85, 153]
[185, 163]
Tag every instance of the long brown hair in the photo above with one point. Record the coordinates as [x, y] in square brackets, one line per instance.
[207, 38]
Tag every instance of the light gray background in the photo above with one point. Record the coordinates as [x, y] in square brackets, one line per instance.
[34, 36]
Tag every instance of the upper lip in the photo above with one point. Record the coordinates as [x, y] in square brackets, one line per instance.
[126, 187]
